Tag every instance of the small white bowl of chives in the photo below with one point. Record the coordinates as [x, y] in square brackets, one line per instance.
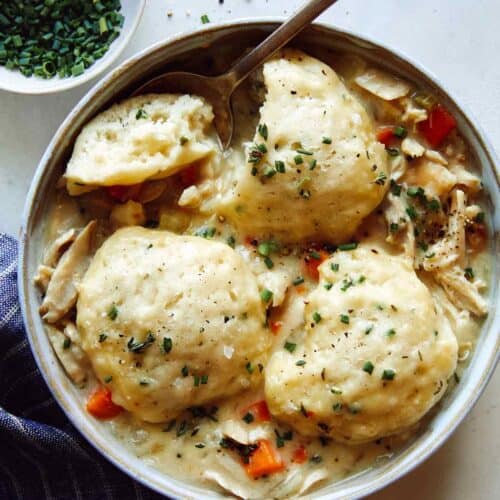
[56, 45]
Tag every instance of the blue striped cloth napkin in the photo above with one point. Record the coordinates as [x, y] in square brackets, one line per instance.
[42, 456]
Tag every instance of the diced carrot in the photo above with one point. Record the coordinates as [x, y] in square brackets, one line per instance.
[124, 193]
[276, 326]
[310, 414]
[386, 136]
[264, 460]
[299, 455]
[259, 410]
[311, 264]
[437, 126]
[100, 404]
[300, 289]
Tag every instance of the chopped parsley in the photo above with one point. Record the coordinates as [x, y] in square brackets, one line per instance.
[368, 367]
[290, 346]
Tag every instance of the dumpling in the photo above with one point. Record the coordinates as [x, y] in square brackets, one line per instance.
[146, 137]
[376, 356]
[315, 169]
[170, 322]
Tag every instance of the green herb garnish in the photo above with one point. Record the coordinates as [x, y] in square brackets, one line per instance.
[368, 367]
[290, 346]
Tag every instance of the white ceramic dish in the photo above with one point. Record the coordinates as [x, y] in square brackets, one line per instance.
[14, 81]
[183, 52]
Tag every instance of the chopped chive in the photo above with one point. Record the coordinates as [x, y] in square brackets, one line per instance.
[335, 390]
[204, 19]
[315, 255]
[206, 232]
[279, 166]
[185, 371]
[400, 131]
[368, 367]
[392, 151]
[394, 227]
[204, 379]
[312, 164]
[434, 205]
[196, 380]
[381, 178]
[395, 188]
[102, 337]
[391, 332]
[183, 140]
[66, 343]
[268, 262]
[354, 408]
[298, 281]
[304, 152]
[326, 140]
[414, 191]
[412, 213]
[334, 267]
[479, 218]
[113, 312]
[290, 346]
[108, 379]
[337, 407]
[266, 295]
[469, 273]
[268, 171]
[231, 241]
[298, 159]
[166, 345]
[301, 362]
[316, 459]
[316, 317]
[344, 318]
[262, 130]
[368, 330]
[328, 286]
[249, 367]
[348, 246]
[248, 418]
[388, 374]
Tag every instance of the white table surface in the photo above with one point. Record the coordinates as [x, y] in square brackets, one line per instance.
[458, 40]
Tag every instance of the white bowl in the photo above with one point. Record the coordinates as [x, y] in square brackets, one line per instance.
[15, 81]
[183, 52]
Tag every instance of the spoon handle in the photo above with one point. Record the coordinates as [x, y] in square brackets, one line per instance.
[278, 39]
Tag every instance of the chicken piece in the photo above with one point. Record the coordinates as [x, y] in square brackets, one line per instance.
[413, 114]
[465, 178]
[412, 148]
[62, 290]
[43, 276]
[401, 229]
[436, 157]
[462, 293]
[437, 180]
[451, 249]
[382, 84]
[58, 247]
[276, 281]
[68, 352]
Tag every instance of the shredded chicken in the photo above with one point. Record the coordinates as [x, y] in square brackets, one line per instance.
[242, 433]
[451, 249]
[413, 114]
[398, 167]
[395, 213]
[462, 293]
[43, 276]
[276, 281]
[412, 148]
[68, 352]
[58, 247]
[436, 157]
[62, 289]
[438, 180]
[382, 84]
[465, 178]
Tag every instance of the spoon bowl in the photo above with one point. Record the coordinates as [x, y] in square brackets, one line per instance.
[217, 90]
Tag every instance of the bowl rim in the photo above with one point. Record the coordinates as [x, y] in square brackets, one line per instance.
[92, 72]
[416, 456]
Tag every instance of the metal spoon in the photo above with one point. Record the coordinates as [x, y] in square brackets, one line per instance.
[218, 89]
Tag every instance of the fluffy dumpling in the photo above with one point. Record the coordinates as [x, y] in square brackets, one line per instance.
[145, 137]
[315, 168]
[170, 322]
[376, 356]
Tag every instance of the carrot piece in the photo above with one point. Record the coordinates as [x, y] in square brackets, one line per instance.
[311, 264]
[437, 126]
[385, 135]
[276, 326]
[264, 460]
[259, 410]
[299, 455]
[100, 404]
